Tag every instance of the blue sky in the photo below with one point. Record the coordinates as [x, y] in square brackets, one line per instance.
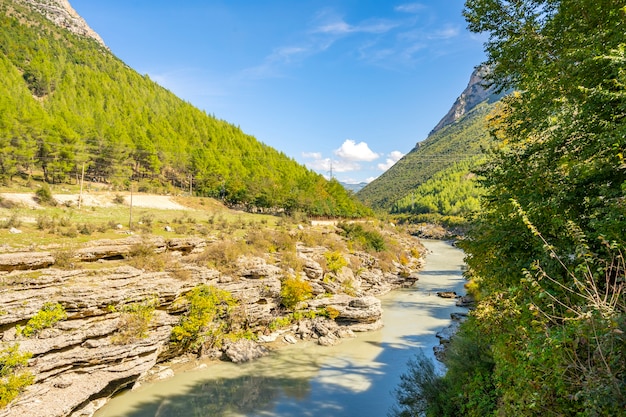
[352, 84]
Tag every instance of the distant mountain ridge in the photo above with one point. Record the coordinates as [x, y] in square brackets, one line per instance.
[354, 187]
[461, 135]
[476, 92]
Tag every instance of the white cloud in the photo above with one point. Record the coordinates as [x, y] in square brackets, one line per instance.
[330, 23]
[312, 155]
[325, 165]
[352, 151]
[445, 33]
[410, 7]
[392, 158]
[370, 179]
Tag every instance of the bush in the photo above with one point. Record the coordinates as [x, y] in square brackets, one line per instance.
[64, 258]
[467, 388]
[419, 388]
[222, 254]
[13, 377]
[206, 320]
[367, 239]
[142, 256]
[44, 196]
[294, 290]
[134, 322]
[334, 261]
[45, 222]
[119, 199]
[48, 316]
[13, 221]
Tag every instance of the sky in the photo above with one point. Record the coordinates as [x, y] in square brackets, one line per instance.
[342, 86]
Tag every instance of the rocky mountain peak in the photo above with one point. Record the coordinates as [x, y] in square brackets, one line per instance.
[475, 93]
[61, 13]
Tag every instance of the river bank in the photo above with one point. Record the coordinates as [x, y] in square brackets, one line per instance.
[355, 377]
[115, 302]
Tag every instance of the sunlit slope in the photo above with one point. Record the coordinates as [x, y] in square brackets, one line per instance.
[460, 141]
[67, 102]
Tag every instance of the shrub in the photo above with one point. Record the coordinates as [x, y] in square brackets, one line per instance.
[331, 312]
[119, 199]
[13, 377]
[134, 322]
[206, 319]
[222, 254]
[45, 222]
[64, 258]
[48, 316]
[142, 256]
[368, 239]
[280, 322]
[294, 290]
[44, 196]
[13, 221]
[335, 261]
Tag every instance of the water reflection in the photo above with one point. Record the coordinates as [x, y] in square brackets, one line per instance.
[356, 377]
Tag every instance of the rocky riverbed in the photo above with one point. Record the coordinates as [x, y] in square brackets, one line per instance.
[82, 359]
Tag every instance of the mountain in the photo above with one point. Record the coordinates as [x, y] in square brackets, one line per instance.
[353, 187]
[63, 15]
[476, 92]
[460, 136]
[67, 103]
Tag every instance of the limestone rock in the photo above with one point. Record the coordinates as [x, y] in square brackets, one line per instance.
[244, 350]
[63, 15]
[25, 260]
[446, 294]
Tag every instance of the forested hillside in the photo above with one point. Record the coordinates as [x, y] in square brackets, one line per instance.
[460, 142]
[67, 102]
[454, 191]
[546, 253]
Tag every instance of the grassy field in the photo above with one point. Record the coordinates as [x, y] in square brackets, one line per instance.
[53, 225]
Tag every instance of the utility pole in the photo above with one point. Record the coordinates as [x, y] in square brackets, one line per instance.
[82, 180]
[130, 221]
[331, 169]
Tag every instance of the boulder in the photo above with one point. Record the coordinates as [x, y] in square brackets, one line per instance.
[446, 294]
[244, 350]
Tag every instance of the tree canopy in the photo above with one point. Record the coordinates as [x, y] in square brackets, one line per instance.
[546, 254]
[67, 102]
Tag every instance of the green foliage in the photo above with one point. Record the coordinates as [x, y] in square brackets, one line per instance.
[467, 388]
[13, 377]
[44, 195]
[135, 322]
[547, 249]
[280, 322]
[366, 237]
[335, 261]
[48, 316]
[452, 191]
[294, 290]
[459, 143]
[67, 102]
[206, 319]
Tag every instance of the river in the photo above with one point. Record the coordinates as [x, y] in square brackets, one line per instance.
[354, 378]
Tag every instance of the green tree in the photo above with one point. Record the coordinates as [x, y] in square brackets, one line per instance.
[550, 235]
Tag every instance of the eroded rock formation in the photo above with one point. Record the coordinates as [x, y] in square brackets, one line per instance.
[91, 354]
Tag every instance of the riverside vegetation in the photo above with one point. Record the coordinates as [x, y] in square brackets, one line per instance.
[546, 252]
[90, 306]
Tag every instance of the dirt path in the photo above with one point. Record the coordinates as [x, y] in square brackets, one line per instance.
[98, 200]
